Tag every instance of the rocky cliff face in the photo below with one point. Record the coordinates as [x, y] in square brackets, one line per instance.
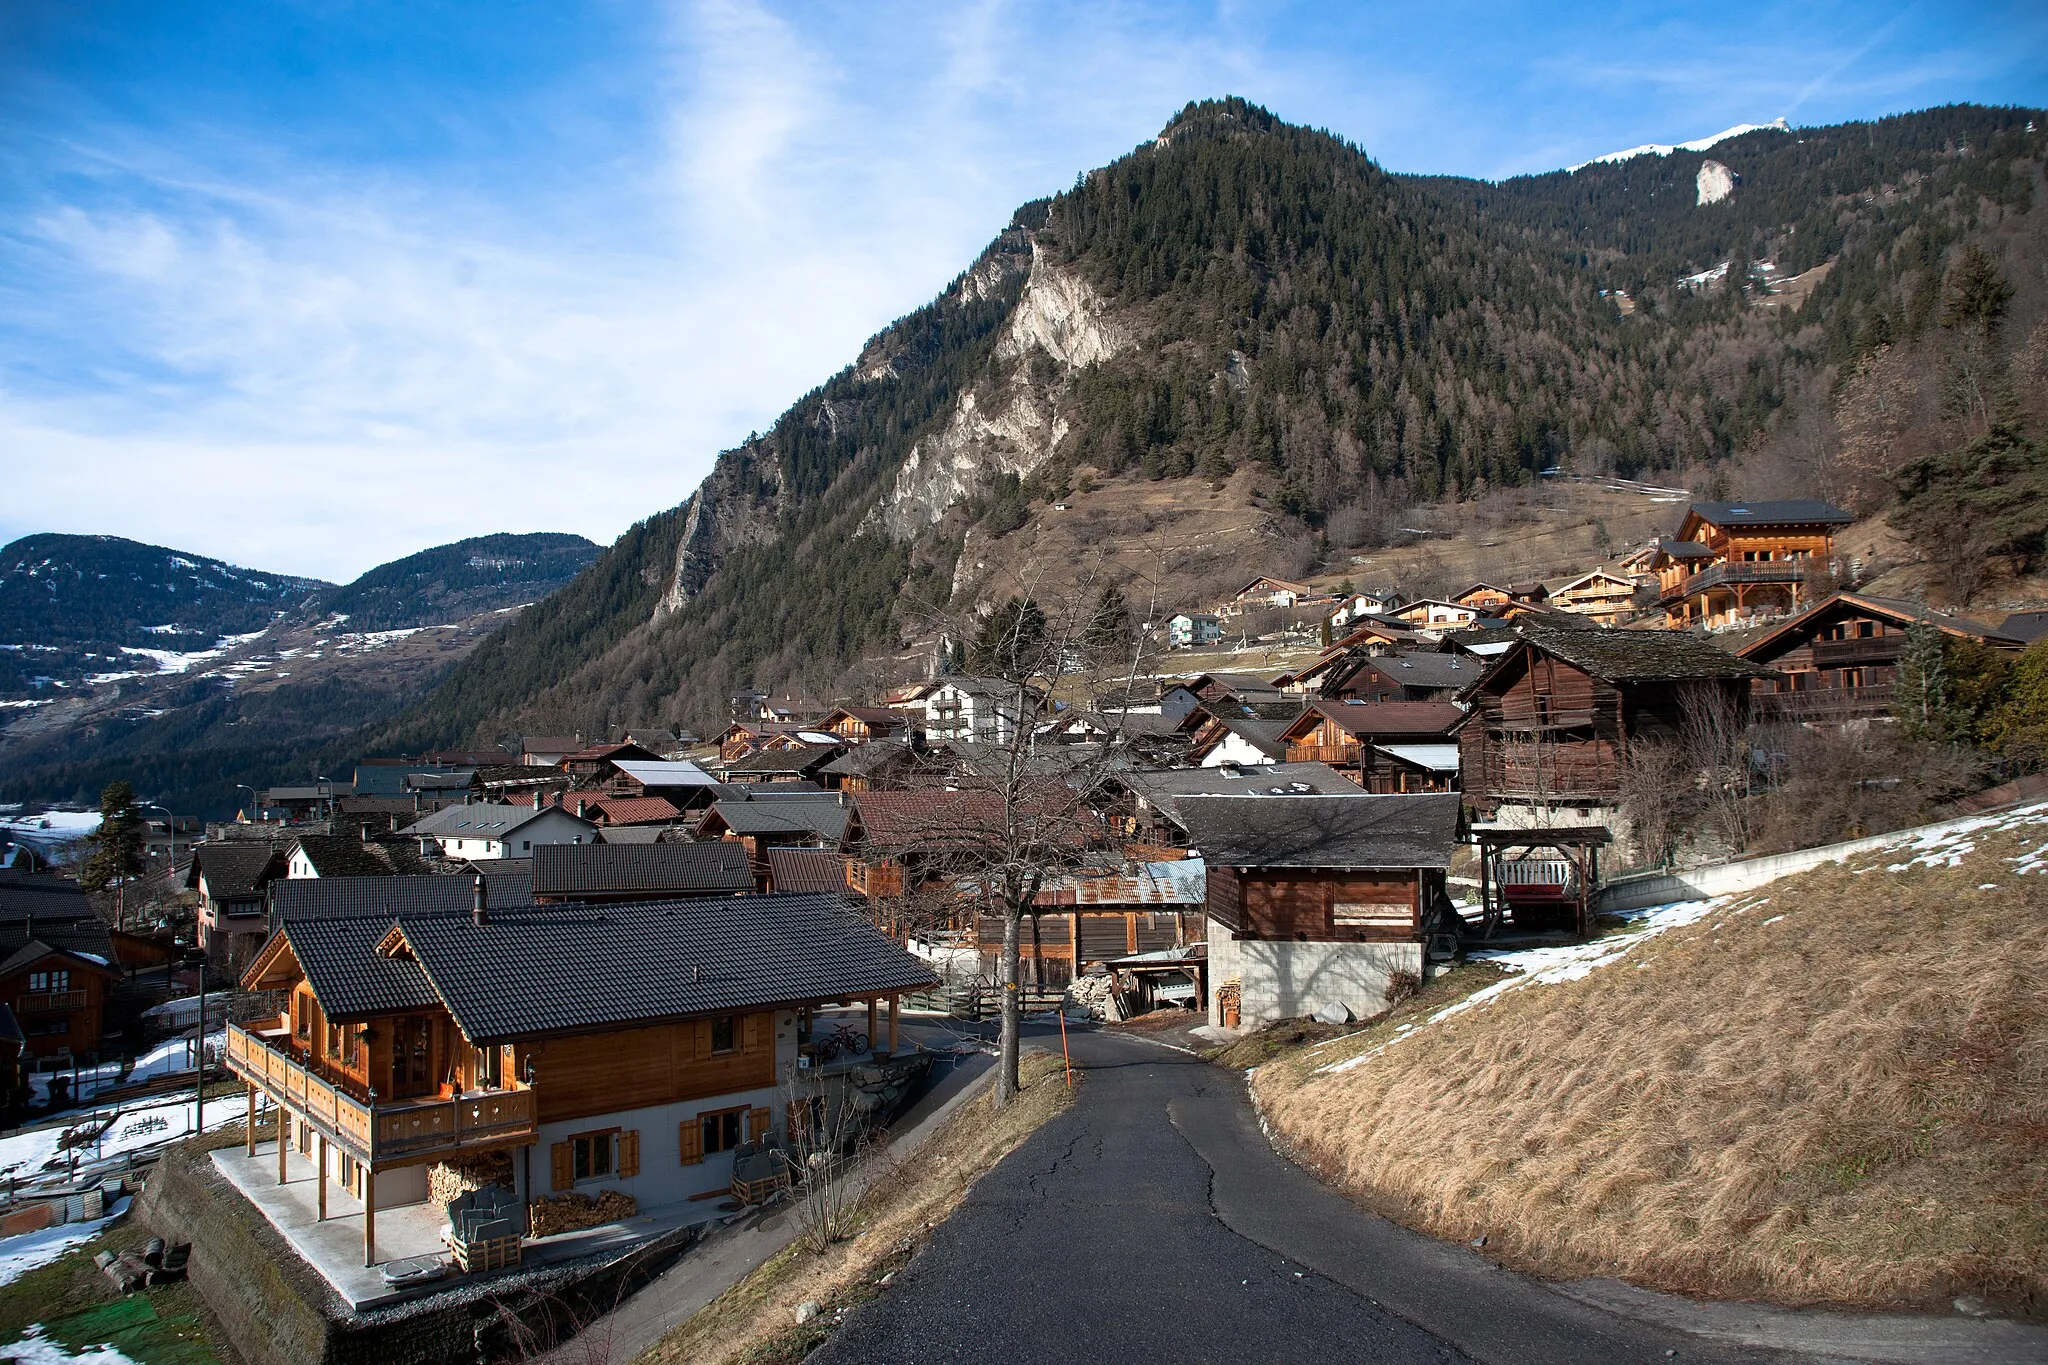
[1011, 425]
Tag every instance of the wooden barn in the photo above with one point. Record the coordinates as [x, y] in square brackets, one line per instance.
[1552, 718]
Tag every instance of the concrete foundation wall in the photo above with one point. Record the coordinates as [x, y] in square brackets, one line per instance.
[1284, 980]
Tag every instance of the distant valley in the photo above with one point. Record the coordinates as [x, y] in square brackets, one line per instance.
[190, 674]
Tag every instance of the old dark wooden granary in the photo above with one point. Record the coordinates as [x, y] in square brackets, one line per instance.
[1551, 721]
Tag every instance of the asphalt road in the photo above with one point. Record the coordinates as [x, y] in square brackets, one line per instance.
[1152, 1222]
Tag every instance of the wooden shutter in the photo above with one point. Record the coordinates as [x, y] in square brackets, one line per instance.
[629, 1153]
[758, 1121]
[750, 1032]
[563, 1159]
[692, 1142]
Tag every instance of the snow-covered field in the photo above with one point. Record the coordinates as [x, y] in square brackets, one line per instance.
[131, 1130]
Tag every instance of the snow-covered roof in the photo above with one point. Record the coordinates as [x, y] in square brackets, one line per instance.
[665, 773]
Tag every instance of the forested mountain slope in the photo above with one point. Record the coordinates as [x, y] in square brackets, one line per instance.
[1249, 305]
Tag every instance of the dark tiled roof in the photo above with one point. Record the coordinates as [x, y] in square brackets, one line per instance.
[909, 819]
[1782, 512]
[555, 969]
[1790, 634]
[340, 959]
[386, 898]
[1416, 668]
[342, 855]
[865, 760]
[2027, 626]
[1164, 790]
[36, 949]
[1641, 655]
[236, 871]
[1365, 831]
[594, 869]
[1267, 736]
[803, 758]
[1686, 549]
[818, 813]
[817, 871]
[53, 909]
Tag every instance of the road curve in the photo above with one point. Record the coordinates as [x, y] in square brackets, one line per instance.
[1152, 1221]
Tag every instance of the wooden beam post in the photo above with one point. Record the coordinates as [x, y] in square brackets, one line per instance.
[895, 1020]
[369, 1215]
[250, 1134]
[871, 1022]
[284, 1139]
[323, 1179]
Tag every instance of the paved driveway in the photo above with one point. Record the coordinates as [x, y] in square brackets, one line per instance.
[1152, 1222]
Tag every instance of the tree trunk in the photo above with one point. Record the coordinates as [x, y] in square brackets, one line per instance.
[1007, 1080]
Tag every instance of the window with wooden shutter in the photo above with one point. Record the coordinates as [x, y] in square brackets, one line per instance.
[629, 1153]
[692, 1143]
[751, 1032]
[560, 1156]
[758, 1122]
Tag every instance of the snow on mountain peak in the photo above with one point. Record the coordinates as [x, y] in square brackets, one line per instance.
[1696, 145]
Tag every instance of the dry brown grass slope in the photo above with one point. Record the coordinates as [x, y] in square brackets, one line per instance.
[1833, 1092]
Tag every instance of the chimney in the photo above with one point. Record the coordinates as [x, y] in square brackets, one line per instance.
[480, 910]
[537, 798]
[580, 807]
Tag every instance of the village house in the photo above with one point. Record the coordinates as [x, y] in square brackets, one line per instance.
[1239, 740]
[346, 855]
[1095, 915]
[1839, 660]
[1266, 592]
[893, 839]
[489, 830]
[865, 724]
[1193, 629]
[1404, 675]
[813, 871]
[547, 751]
[1145, 807]
[608, 873]
[596, 760]
[981, 710]
[782, 763]
[760, 820]
[1736, 562]
[679, 782]
[231, 879]
[1353, 737]
[875, 766]
[1552, 719]
[617, 812]
[1488, 597]
[629, 1051]
[57, 964]
[1315, 903]
[1430, 613]
[1603, 596]
[1359, 605]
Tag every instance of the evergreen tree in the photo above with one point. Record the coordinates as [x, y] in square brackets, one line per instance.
[1920, 697]
[1976, 295]
[117, 848]
[1011, 642]
[1109, 625]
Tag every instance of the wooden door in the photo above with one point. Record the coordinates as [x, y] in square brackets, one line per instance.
[412, 1048]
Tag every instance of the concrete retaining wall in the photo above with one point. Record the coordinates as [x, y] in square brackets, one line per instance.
[1726, 879]
[1285, 980]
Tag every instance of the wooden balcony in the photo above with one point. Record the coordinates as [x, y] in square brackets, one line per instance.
[1336, 755]
[1866, 650]
[1826, 704]
[49, 1002]
[382, 1134]
[1785, 571]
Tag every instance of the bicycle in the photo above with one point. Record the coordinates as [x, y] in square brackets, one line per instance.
[844, 1036]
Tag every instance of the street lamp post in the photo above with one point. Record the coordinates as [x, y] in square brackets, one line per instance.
[199, 1088]
[255, 799]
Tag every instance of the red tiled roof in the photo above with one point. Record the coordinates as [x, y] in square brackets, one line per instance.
[631, 810]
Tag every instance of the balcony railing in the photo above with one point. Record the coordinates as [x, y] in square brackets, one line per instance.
[46, 1002]
[1867, 649]
[382, 1133]
[1336, 755]
[1788, 571]
[1824, 703]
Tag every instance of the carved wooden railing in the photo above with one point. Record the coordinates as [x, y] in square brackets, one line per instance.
[377, 1133]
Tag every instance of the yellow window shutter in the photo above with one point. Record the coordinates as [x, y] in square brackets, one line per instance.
[758, 1122]
[629, 1153]
[564, 1164]
[692, 1142]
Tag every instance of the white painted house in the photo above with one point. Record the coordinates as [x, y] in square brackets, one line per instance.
[1358, 605]
[982, 710]
[1193, 628]
[487, 830]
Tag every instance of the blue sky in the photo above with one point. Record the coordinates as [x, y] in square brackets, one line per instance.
[312, 285]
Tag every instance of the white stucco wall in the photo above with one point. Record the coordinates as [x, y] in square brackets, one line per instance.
[1234, 748]
[1285, 980]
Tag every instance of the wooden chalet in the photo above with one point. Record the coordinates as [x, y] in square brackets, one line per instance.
[1552, 718]
[679, 782]
[631, 1050]
[864, 724]
[1314, 902]
[744, 737]
[1434, 614]
[761, 820]
[1839, 660]
[1403, 675]
[1265, 591]
[779, 763]
[596, 760]
[878, 765]
[893, 837]
[1349, 735]
[1732, 562]
[1097, 915]
[57, 964]
[1604, 596]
